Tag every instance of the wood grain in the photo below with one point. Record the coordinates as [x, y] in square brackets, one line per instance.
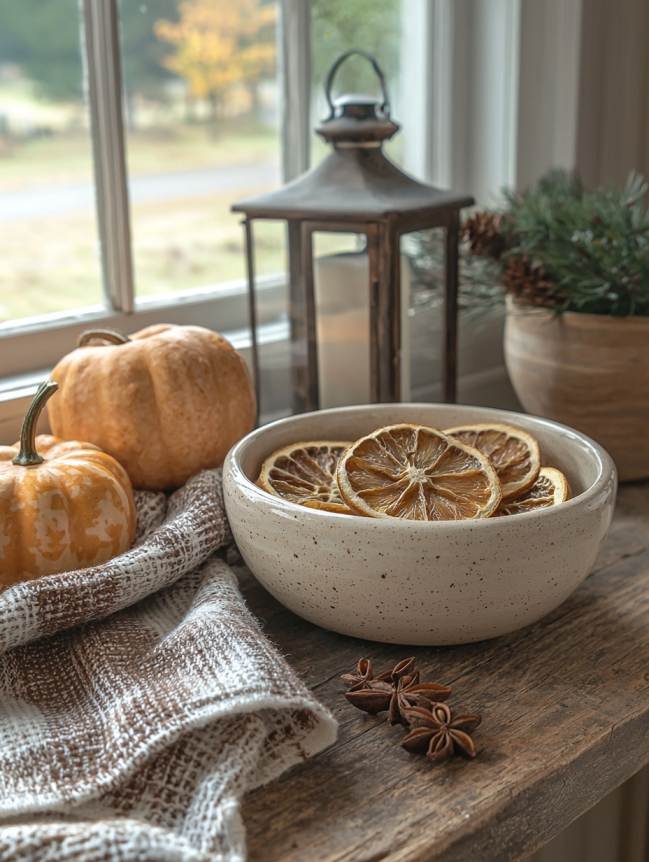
[565, 708]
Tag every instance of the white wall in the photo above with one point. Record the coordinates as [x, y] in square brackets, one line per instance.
[613, 117]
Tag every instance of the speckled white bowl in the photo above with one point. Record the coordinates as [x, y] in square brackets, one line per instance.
[408, 582]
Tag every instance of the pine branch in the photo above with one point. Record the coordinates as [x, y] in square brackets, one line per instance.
[578, 250]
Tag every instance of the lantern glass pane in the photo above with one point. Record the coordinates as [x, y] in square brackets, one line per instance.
[423, 340]
[341, 279]
[272, 311]
[480, 321]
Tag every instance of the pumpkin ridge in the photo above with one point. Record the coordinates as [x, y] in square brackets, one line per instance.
[102, 392]
[113, 474]
[163, 447]
[13, 519]
[86, 517]
[54, 533]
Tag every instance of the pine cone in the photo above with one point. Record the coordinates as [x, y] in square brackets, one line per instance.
[483, 233]
[526, 281]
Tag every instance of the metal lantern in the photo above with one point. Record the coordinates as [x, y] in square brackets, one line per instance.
[357, 189]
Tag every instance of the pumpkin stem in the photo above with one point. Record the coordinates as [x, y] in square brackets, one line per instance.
[28, 456]
[109, 335]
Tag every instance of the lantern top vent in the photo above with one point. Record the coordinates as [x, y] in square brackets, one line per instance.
[357, 120]
[356, 181]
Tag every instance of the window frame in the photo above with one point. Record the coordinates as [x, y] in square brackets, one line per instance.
[29, 347]
[101, 40]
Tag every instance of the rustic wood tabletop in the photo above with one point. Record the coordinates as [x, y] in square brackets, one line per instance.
[565, 707]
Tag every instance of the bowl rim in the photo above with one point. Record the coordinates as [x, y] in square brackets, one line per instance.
[606, 470]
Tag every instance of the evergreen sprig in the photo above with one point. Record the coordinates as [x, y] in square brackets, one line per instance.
[479, 277]
[593, 245]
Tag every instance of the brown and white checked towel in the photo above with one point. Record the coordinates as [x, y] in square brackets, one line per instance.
[134, 735]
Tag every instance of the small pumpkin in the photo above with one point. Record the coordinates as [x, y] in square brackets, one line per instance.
[167, 401]
[63, 504]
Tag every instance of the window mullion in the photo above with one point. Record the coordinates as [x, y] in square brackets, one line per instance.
[442, 92]
[104, 82]
[415, 104]
[295, 81]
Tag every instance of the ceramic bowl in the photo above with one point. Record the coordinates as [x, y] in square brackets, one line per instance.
[409, 582]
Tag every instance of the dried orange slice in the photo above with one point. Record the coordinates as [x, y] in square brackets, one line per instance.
[550, 488]
[305, 473]
[513, 452]
[417, 473]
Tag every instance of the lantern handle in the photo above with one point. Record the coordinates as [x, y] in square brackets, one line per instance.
[385, 105]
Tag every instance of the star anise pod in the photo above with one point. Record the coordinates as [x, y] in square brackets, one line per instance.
[404, 690]
[436, 732]
[408, 692]
[363, 674]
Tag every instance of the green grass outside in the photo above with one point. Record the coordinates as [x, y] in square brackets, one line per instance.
[50, 264]
[66, 157]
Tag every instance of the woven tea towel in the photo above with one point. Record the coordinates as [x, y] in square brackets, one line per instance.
[134, 735]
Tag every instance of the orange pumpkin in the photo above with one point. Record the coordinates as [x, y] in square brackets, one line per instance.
[167, 401]
[63, 505]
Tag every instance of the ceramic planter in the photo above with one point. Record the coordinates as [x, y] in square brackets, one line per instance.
[589, 371]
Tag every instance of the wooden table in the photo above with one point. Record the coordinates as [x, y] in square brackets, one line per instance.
[565, 708]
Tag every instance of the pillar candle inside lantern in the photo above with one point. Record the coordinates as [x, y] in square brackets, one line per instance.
[342, 299]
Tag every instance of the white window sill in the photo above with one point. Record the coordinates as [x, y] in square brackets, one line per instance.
[483, 379]
[32, 344]
[16, 390]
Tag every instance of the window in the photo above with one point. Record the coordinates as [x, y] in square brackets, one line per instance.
[202, 120]
[49, 260]
[128, 128]
[189, 105]
[171, 114]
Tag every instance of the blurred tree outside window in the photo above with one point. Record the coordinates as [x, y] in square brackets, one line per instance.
[201, 109]
[216, 48]
[203, 135]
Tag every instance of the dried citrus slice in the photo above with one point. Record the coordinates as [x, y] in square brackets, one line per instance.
[513, 452]
[417, 473]
[305, 473]
[550, 488]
